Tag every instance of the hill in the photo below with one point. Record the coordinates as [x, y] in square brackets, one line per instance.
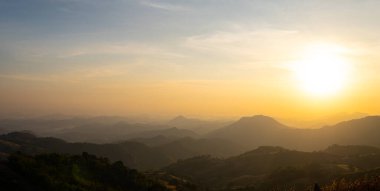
[351, 150]
[189, 147]
[267, 167]
[67, 172]
[173, 132]
[196, 125]
[79, 129]
[251, 132]
[133, 154]
[154, 140]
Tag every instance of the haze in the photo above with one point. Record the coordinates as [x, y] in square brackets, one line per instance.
[197, 58]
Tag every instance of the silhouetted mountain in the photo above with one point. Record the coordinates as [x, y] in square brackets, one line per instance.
[323, 121]
[364, 131]
[196, 125]
[135, 155]
[255, 131]
[64, 172]
[257, 121]
[95, 130]
[350, 150]
[249, 132]
[261, 169]
[189, 147]
[155, 141]
[170, 133]
[180, 119]
[252, 132]
[268, 167]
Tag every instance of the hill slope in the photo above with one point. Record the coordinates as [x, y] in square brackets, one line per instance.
[267, 166]
[135, 155]
[65, 172]
[255, 131]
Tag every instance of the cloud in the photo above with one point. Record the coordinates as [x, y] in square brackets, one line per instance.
[74, 76]
[34, 78]
[138, 49]
[237, 41]
[164, 6]
[245, 44]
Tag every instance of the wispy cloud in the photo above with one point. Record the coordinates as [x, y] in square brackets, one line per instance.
[74, 76]
[128, 49]
[240, 39]
[35, 78]
[164, 6]
[262, 44]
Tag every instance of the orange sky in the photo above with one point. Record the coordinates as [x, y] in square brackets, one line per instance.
[196, 59]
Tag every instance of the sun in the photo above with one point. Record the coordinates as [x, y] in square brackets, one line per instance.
[323, 70]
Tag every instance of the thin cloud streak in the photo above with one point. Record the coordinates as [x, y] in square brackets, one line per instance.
[261, 45]
[164, 6]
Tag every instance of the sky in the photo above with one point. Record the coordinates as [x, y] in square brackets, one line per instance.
[209, 58]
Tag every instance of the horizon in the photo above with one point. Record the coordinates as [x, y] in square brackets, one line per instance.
[314, 123]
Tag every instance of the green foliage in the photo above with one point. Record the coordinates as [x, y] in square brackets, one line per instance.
[84, 172]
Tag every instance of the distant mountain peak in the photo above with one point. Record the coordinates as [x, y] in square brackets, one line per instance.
[258, 117]
[180, 117]
[258, 120]
[182, 120]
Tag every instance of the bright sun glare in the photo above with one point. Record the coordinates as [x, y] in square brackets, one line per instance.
[323, 70]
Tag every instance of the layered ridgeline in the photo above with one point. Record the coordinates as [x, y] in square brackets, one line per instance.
[133, 154]
[251, 132]
[146, 146]
[267, 168]
[95, 130]
[248, 132]
[196, 125]
[108, 129]
[338, 168]
[263, 168]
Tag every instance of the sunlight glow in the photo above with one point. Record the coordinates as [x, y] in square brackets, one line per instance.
[323, 71]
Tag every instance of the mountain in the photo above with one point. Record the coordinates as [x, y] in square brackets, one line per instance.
[96, 132]
[189, 147]
[185, 122]
[251, 132]
[173, 132]
[323, 121]
[134, 155]
[351, 150]
[72, 172]
[96, 129]
[363, 131]
[154, 141]
[268, 167]
[196, 125]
